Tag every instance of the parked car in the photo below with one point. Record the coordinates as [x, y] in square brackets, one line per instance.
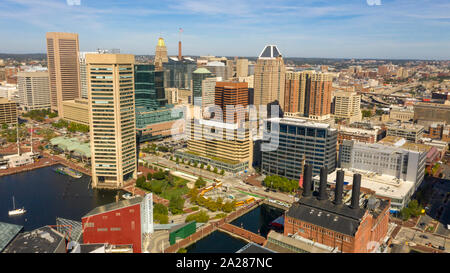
[423, 236]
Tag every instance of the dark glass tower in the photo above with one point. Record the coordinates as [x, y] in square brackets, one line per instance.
[149, 87]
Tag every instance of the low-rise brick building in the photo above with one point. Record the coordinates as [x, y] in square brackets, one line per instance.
[356, 224]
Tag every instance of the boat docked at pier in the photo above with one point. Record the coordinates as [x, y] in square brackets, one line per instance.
[68, 171]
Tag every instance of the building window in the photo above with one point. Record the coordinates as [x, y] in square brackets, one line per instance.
[89, 224]
[102, 229]
[115, 229]
[117, 213]
[132, 225]
[131, 210]
[104, 217]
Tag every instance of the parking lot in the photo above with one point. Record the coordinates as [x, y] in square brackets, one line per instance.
[409, 235]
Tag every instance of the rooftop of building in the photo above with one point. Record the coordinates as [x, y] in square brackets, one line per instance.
[339, 218]
[270, 52]
[300, 122]
[5, 100]
[161, 42]
[382, 184]
[7, 233]
[275, 240]
[202, 70]
[400, 142]
[102, 248]
[403, 125]
[114, 206]
[41, 240]
[72, 145]
[215, 63]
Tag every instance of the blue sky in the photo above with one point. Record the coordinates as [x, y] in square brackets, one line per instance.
[413, 29]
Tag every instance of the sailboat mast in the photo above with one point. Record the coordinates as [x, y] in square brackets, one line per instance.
[18, 141]
[31, 140]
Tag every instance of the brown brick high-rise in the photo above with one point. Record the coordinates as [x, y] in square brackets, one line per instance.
[233, 94]
[318, 96]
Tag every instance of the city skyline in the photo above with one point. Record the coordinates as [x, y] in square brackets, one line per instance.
[396, 29]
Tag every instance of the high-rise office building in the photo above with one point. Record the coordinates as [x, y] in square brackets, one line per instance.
[298, 141]
[149, 87]
[241, 67]
[219, 69]
[34, 91]
[83, 77]
[226, 146]
[178, 73]
[111, 118]
[63, 68]
[231, 95]
[269, 77]
[160, 54]
[198, 76]
[154, 117]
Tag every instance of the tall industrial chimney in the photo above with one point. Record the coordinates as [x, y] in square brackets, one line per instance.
[339, 189]
[179, 51]
[323, 183]
[307, 178]
[356, 190]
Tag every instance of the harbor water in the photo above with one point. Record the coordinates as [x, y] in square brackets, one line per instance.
[258, 219]
[46, 195]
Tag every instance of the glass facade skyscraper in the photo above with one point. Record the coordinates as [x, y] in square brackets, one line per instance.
[178, 74]
[153, 113]
[149, 87]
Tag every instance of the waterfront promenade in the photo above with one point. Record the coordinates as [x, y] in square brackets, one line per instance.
[45, 161]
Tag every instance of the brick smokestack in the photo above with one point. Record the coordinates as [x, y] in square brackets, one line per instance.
[179, 51]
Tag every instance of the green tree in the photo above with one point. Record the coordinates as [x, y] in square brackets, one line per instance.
[149, 176]
[222, 172]
[215, 170]
[160, 209]
[202, 166]
[200, 183]
[366, 113]
[208, 168]
[199, 217]
[4, 126]
[159, 175]
[176, 204]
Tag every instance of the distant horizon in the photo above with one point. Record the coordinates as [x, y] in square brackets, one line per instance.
[285, 57]
[338, 29]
